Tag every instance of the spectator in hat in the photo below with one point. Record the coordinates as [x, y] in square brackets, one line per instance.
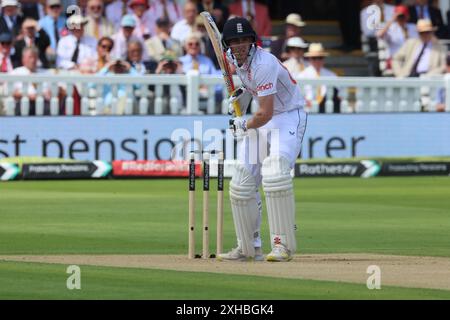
[316, 57]
[10, 19]
[162, 41]
[422, 10]
[75, 47]
[115, 11]
[145, 21]
[187, 25]
[32, 36]
[255, 12]
[294, 26]
[6, 41]
[398, 30]
[169, 64]
[219, 12]
[166, 9]
[97, 26]
[423, 56]
[54, 24]
[125, 35]
[295, 49]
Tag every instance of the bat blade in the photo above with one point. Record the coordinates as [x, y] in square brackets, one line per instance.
[215, 37]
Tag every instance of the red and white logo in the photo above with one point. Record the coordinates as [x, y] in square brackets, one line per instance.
[264, 87]
[277, 240]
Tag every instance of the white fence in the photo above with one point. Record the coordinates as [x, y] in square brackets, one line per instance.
[194, 94]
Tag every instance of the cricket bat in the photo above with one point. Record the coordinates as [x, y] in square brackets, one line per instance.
[215, 37]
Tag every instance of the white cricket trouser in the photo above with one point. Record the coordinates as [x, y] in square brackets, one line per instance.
[283, 136]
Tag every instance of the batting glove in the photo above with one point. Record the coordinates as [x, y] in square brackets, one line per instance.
[243, 98]
[238, 126]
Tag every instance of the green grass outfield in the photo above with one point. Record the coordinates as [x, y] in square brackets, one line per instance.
[401, 216]
[46, 281]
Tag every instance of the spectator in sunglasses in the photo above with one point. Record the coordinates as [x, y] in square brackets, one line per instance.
[194, 60]
[104, 48]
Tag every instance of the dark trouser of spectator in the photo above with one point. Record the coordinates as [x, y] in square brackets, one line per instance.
[349, 16]
[448, 24]
[218, 97]
[167, 95]
[32, 111]
[374, 62]
[30, 10]
[76, 103]
[336, 103]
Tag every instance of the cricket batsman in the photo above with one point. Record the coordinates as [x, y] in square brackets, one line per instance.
[281, 114]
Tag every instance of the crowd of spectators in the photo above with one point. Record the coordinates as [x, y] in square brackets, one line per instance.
[135, 37]
[165, 37]
[405, 42]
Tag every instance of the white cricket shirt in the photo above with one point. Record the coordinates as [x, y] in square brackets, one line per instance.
[267, 75]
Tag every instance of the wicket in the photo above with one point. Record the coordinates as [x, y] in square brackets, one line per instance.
[205, 222]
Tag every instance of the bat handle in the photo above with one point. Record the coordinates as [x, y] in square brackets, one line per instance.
[237, 109]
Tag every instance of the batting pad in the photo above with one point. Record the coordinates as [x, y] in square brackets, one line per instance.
[245, 208]
[279, 191]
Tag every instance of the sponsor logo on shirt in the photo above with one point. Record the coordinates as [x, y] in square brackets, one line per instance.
[264, 87]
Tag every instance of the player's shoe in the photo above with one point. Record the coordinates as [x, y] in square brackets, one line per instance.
[279, 254]
[237, 255]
